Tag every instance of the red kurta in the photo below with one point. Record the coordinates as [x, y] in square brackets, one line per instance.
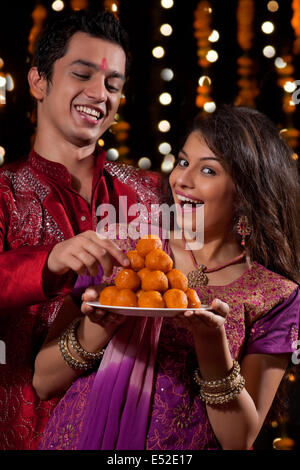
[39, 208]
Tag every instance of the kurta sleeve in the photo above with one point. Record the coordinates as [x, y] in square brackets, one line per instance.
[24, 278]
[277, 330]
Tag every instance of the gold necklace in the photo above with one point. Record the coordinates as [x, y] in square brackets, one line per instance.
[198, 276]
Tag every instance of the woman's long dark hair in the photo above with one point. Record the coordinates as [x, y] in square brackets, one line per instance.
[266, 179]
[267, 186]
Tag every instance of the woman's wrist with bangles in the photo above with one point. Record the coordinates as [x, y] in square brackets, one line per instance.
[221, 391]
[72, 351]
[92, 336]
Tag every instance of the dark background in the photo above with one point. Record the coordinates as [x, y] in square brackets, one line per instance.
[142, 19]
[142, 110]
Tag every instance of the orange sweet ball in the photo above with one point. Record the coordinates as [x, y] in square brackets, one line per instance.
[193, 299]
[126, 298]
[177, 280]
[155, 280]
[148, 243]
[157, 259]
[175, 298]
[108, 295]
[138, 293]
[151, 299]
[136, 260]
[142, 273]
[127, 279]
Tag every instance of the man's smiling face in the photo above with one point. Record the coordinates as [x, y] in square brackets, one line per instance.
[82, 99]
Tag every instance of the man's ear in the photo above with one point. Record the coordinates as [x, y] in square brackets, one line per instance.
[37, 83]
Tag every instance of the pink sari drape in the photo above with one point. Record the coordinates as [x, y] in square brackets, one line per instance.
[119, 403]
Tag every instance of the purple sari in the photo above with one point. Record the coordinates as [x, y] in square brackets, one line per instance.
[143, 395]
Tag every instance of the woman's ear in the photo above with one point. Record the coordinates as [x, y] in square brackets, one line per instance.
[37, 83]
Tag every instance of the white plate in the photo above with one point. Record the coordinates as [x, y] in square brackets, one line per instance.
[145, 312]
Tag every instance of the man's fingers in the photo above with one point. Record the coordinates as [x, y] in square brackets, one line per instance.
[109, 247]
[88, 261]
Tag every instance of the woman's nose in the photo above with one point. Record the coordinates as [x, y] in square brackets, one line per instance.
[185, 178]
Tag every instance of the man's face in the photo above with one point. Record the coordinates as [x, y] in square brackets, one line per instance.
[84, 95]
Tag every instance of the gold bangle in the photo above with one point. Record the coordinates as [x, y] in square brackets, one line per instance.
[220, 391]
[218, 382]
[89, 356]
[224, 388]
[67, 356]
[222, 398]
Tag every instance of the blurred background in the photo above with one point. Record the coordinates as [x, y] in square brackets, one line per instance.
[187, 56]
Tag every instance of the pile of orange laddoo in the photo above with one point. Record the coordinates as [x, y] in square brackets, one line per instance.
[151, 281]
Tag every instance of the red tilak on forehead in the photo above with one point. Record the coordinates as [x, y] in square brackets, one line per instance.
[103, 65]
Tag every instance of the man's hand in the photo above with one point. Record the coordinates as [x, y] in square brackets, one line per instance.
[86, 251]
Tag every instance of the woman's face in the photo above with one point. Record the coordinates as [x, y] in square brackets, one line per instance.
[200, 178]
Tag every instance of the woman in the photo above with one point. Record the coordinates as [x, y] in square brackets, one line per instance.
[165, 383]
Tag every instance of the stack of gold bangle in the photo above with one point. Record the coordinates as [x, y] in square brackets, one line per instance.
[88, 358]
[216, 392]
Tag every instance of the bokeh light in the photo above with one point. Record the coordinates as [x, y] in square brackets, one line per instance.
[158, 52]
[164, 148]
[167, 3]
[267, 27]
[210, 106]
[112, 154]
[214, 36]
[58, 5]
[272, 6]
[269, 51]
[164, 126]
[144, 163]
[165, 98]
[167, 74]
[166, 29]
[212, 56]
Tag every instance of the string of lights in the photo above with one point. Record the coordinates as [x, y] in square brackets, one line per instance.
[286, 81]
[204, 36]
[120, 128]
[165, 98]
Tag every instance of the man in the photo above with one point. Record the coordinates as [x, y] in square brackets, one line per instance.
[48, 203]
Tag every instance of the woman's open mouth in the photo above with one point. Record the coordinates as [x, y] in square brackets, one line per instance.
[188, 203]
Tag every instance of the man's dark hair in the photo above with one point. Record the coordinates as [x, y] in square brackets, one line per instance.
[54, 41]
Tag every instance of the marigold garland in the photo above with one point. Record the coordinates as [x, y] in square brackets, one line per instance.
[79, 4]
[38, 15]
[295, 22]
[286, 74]
[121, 128]
[248, 89]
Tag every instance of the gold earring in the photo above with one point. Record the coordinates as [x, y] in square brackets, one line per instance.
[243, 228]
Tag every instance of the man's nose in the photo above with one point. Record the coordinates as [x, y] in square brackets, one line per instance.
[96, 90]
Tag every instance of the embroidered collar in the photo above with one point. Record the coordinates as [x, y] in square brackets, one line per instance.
[57, 170]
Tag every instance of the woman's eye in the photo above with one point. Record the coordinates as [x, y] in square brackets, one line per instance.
[182, 162]
[208, 171]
